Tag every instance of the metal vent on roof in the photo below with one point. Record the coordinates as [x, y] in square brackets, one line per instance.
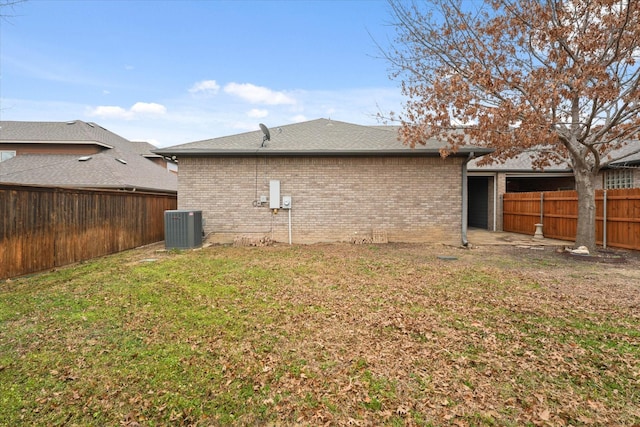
[84, 158]
[123, 161]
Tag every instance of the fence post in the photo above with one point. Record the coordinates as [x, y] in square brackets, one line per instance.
[604, 219]
[538, 233]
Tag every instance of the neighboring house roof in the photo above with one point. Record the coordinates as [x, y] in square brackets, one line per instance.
[72, 132]
[321, 137]
[102, 170]
[120, 164]
[521, 163]
[145, 149]
[628, 155]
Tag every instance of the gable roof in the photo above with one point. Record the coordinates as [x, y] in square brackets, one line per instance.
[321, 137]
[120, 164]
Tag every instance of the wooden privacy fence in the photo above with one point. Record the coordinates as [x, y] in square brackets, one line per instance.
[617, 215]
[46, 227]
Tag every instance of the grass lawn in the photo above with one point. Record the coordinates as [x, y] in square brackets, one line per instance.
[322, 334]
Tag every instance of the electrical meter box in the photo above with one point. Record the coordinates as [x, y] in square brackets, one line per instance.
[182, 229]
[286, 202]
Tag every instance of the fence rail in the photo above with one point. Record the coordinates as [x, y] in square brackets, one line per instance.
[46, 227]
[617, 215]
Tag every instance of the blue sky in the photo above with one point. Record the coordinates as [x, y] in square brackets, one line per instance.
[171, 72]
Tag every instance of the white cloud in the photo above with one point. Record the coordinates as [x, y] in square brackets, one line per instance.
[136, 110]
[192, 118]
[148, 108]
[258, 113]
[258, 94]
[206, 87]
[110, 111]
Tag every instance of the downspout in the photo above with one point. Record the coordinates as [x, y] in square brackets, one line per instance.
[465, 201]
[495, 201]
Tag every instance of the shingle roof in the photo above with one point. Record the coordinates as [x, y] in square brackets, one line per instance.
[521, 163]
[629, 154]
[72, 132]
[626, 155]
[103, 170]
[144, 149]
[314, 138]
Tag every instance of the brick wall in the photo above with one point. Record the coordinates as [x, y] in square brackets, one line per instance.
[333, 199]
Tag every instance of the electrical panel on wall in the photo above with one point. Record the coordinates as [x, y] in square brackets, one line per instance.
[274, 194]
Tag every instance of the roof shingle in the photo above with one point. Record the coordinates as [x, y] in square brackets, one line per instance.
[315, 137]
[101, 171]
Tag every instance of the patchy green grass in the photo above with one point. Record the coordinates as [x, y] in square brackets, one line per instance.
[334, 334]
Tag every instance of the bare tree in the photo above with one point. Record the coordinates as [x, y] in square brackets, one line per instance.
[557, 78]
[5, 5]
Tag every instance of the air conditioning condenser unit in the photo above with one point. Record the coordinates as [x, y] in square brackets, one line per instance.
[182, 229]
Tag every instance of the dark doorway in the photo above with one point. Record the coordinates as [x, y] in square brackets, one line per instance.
[478, 197]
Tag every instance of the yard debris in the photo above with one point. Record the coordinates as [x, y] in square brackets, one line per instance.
[252, 241]
[380, 236]
[361, 239]
[377, 236]
[535, 248]
[580, 250]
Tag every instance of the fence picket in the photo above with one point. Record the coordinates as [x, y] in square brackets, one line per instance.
[520, 213]
[46, 227]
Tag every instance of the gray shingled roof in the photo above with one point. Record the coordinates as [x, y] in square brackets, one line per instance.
[103, 170]
[628, 154]
[521, 163]
[72, 132]
[321, 137]
[144, 149]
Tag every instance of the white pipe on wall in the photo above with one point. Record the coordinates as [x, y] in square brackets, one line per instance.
[289, 225]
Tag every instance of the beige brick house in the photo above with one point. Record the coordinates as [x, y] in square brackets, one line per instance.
[324, 181]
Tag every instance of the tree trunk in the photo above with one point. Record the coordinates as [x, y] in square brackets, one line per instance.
[586, 231]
